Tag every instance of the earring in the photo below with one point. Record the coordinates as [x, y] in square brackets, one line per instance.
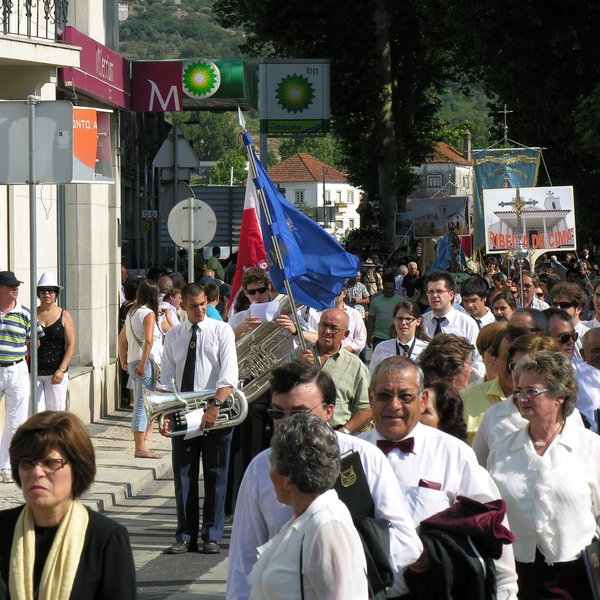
[286, 486]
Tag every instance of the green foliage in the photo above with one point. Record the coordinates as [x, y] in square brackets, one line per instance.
[221, 173]
[160, 30]
[326, 148]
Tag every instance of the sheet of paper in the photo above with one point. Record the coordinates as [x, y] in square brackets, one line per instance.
[194, 420]
[266, 311]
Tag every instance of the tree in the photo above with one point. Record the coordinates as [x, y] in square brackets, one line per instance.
[325, 148]
[388, 64]
[221, 173]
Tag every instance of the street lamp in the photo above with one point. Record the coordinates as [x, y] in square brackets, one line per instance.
[324, 170]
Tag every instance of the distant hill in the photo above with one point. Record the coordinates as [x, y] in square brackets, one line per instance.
[187, 29]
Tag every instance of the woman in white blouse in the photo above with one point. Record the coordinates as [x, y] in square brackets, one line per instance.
[409, 340]
[548, 473]
[318, 553]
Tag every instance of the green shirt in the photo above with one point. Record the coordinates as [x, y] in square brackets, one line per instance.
[382, 311]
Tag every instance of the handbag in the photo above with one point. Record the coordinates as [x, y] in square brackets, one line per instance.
[591, 560]
[155, 365]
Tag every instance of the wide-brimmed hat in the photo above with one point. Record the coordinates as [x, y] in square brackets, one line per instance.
[48, 280]
[368, 263]
[8, 279]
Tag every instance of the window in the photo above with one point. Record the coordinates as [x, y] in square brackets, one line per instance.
[299, 196]
[466, 182]
[351, 224]
[434, 181]
[338, 196]
[327, 195]
[350, 196]
[339, 224]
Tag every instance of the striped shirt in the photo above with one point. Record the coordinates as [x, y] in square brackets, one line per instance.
[15, 330]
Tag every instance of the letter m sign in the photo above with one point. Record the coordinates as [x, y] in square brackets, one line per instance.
[156, 86]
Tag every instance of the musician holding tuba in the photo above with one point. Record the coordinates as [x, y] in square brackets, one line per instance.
[199, 354]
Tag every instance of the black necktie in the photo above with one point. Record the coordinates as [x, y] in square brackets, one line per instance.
[438, 327]
[189, 370]
[478, 321]
[406, 445]
[405, 349]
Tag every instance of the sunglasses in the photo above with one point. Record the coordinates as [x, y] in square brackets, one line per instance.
[563, 305]
[260, 290]
[564, 338]
[48, 290]
[539, 294]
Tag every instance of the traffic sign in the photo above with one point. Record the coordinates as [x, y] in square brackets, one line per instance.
[149, 215]
[204, 221]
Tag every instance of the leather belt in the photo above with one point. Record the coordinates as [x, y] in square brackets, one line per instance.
[10, 364]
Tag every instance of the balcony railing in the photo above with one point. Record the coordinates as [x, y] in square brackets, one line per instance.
[43, 19]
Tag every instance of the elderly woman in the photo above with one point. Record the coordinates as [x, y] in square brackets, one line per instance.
[56, 348]
[318, 553]
[140, 352]
[409, 337]
[448, 357]
[53, 546]
[548, 473]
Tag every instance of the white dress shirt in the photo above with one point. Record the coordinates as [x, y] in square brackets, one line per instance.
[553, 501]
[389, 348]
[216, 359]
[458, 323]
[500, 420]
[580, 328]
[588, 392]
[259, 516]
[591, 323]
[486, 319]
[357, 338]
[445, 460]
[333, 560]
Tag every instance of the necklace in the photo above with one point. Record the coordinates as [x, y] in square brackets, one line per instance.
[542, 443]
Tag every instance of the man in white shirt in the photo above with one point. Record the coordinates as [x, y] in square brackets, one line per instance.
[398, 280]
[474, 292]
[444, 318]
[590, 350]
[356, 339]
[595, 314]
[432, 467]
[572, 299]
[200, 355]
[529, 300]
[258, 514]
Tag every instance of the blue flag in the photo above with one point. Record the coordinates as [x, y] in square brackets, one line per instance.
[497, 168]
[313, 262]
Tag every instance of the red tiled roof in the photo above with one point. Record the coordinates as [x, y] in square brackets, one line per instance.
[447, 154]
[304, 167]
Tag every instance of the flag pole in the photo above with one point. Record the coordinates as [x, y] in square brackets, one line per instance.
[278, 256]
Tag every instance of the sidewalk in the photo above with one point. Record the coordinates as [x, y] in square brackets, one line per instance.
[119, 475]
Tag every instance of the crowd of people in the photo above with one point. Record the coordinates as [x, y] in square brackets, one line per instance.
[469, 404]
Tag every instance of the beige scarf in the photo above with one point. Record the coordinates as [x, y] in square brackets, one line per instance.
[62, 562]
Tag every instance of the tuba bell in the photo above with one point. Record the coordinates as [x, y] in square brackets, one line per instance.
[177, 405]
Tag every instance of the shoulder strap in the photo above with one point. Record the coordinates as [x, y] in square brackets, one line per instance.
[301, 576]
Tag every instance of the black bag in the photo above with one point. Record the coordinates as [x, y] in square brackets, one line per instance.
[353, 490]
[591, 560]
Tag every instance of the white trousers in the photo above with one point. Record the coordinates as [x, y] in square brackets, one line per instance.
[51, 396]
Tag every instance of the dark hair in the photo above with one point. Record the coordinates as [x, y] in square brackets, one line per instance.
[556, 313]
[534, 278]
[570, 290]
[295, 373]
[255, 275]
[442, 276]
[61, 431]
[171, 293]
[449, 407]
[507, 297]
[511, 333]
[498, 277]
[130, 288]
[212, 291]
[306, 448]
[414, 311]
[531, 342]
[388, 278]
[492, 261]
[147, 295]
[540, 318]
[475, 285]
[191, 290]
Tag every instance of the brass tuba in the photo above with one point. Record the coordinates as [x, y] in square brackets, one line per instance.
[259, 352]
[177, 404]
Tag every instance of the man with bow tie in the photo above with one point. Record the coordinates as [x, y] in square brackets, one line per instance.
[432, 467]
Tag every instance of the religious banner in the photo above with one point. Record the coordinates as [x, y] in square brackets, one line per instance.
[435, 217]
[540, 218]
[500, 168]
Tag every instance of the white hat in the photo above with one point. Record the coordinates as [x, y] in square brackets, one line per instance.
[49, 280]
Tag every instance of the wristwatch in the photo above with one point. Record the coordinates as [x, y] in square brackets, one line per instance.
[216, 402]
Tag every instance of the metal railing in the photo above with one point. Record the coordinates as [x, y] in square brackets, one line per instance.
[43, 19]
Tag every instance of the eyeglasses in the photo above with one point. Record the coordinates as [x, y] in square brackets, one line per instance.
[539, 294]
[564, 338]
[406, 320]
[563, 305]
[528, 393]
[48, 290]
[277, 414]
[260, 290]
[404, 398]
[49, 465]
[436, 292]
[333, 328]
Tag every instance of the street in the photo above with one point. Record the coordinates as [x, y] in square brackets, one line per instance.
[151, 520]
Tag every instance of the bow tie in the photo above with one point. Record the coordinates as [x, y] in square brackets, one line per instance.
[386, 446]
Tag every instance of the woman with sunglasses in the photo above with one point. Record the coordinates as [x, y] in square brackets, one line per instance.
[409, 337]
[548, 474]
[53, 546]
[56, 348]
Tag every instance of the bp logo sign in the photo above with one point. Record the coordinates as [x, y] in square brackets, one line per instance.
[295, 93]
[201, 79]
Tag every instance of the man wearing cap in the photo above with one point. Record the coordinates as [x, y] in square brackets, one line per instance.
[15, 333]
